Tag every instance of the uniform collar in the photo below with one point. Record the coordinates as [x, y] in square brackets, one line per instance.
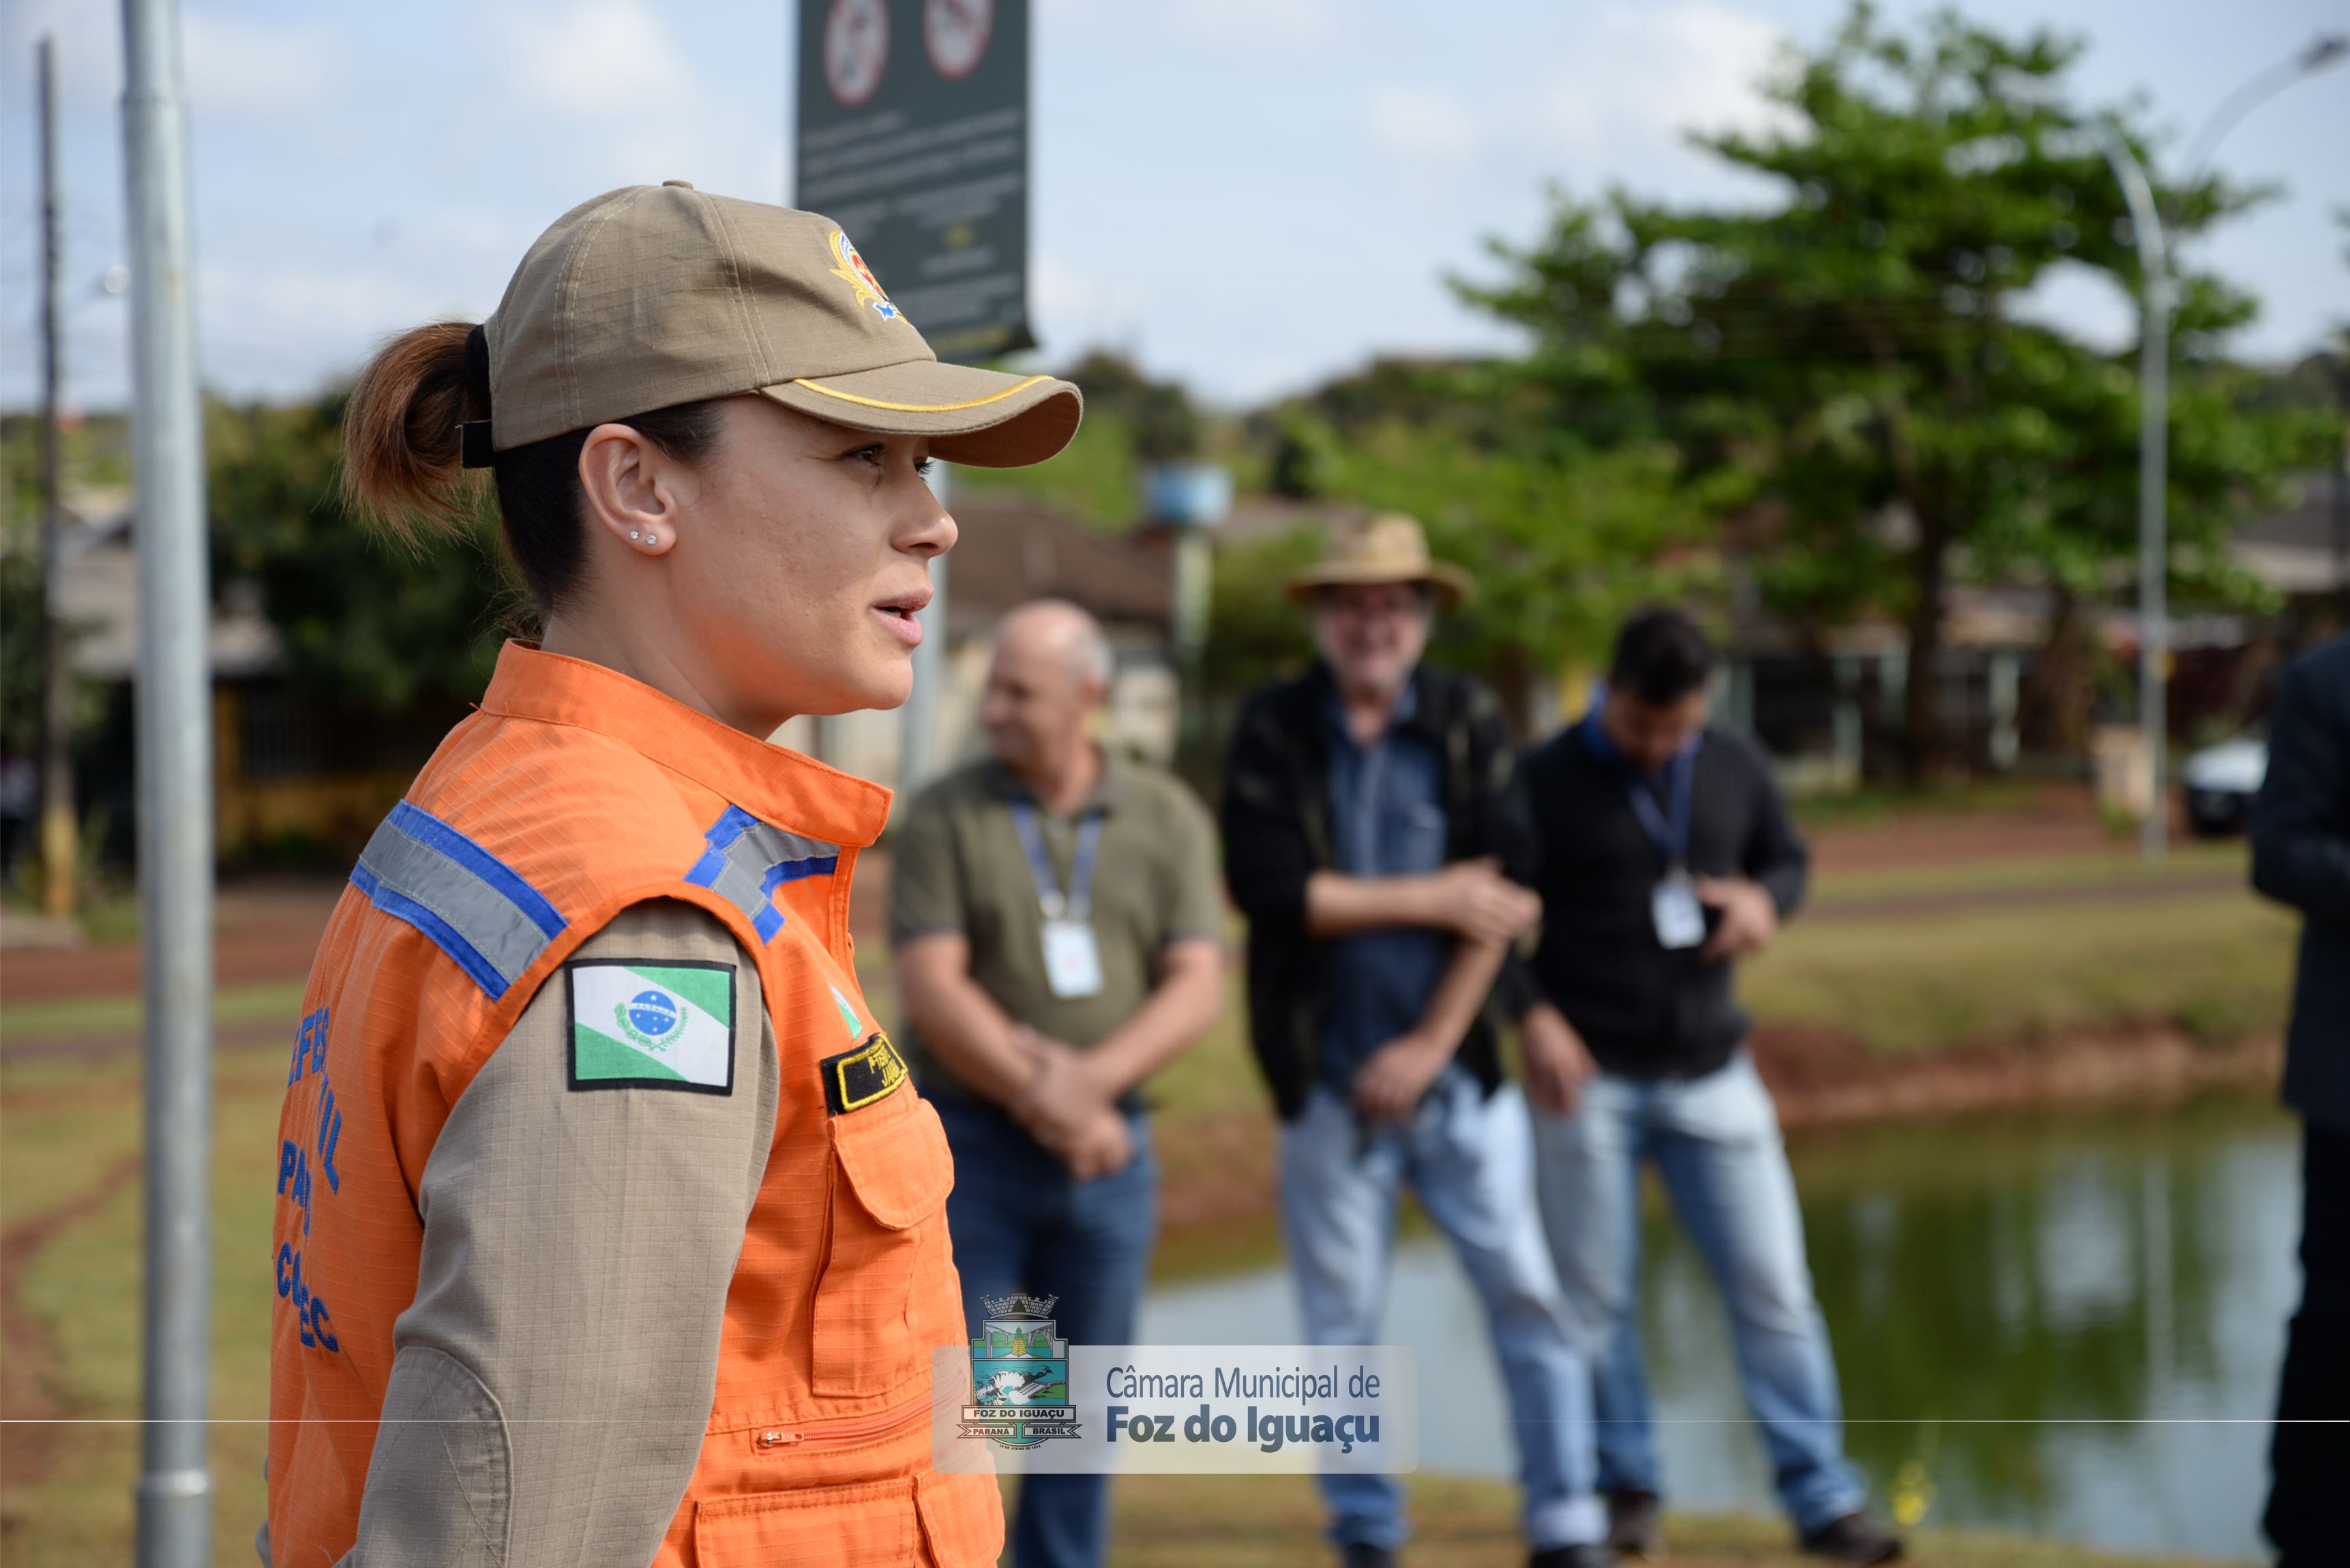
[1104, 796]
[773, 784]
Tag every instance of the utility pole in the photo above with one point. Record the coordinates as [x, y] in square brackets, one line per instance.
[60, 829]
[175, 816]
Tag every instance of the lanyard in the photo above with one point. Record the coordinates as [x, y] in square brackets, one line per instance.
[1670, 832]
[1079, 901]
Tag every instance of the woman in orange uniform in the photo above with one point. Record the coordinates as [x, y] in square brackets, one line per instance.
[610, 1231]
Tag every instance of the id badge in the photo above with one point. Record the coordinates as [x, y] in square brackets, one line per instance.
[1680, 919]
[1072, 961]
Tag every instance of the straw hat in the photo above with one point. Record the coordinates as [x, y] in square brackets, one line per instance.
[1388, 548]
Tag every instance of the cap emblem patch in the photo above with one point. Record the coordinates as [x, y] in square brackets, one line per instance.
[859, 276]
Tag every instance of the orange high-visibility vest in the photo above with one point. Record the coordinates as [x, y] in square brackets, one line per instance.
[574, 793]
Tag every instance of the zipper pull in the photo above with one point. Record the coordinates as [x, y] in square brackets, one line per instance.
[772, 1440]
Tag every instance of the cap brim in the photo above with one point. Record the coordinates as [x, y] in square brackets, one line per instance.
[983, 418]
[1452, 585]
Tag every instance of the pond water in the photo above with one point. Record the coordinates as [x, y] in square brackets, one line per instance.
[2068, 1327]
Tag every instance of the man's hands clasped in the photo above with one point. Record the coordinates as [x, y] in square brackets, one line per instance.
[1065, 1108]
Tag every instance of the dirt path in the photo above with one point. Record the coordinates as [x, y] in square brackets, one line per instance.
[262, 931]
[30, 1395]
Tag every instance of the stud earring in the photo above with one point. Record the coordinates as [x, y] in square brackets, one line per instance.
[634, 534]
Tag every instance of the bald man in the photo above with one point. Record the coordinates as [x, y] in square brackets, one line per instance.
[1058, 932]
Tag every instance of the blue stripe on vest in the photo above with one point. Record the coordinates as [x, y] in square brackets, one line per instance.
[490, 923]
[745, 860]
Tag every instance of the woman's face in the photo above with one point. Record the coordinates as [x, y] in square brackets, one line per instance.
[786, 569]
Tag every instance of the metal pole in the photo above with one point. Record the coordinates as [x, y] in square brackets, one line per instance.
[919, 761]
[2153, 482]
[175, 819]
[60, 834]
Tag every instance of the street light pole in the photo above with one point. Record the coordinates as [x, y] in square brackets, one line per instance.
[175, 819]
[2156, 299]
[2152, 483]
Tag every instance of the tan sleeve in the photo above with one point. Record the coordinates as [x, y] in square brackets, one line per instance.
[553, 1376]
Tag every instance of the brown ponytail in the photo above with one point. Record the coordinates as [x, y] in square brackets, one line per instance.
[399, 437]
[402, 457]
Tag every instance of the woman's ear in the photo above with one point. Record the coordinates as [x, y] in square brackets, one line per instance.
[629, 485]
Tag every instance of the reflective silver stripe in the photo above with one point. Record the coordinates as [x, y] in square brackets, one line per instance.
[758, 850]
[761, 846]
[507, 940]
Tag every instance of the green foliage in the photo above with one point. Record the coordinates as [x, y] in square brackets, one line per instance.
[366, 620]
[1132, 424]
[21, 656]
[1094, 477]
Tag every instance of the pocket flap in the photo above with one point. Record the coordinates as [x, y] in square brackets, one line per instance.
[898, 1166]
[818, 1527]
[962, 1520]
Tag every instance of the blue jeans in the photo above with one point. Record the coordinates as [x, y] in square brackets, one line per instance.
[1021, 1223]
[1471, 1161]
[1716, 1143]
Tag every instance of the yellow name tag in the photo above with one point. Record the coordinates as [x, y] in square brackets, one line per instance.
[861, 1076]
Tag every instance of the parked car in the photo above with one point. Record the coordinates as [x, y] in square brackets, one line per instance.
[2221, 780]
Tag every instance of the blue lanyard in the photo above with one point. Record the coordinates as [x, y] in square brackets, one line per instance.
[1670, 833]
[1079, 901]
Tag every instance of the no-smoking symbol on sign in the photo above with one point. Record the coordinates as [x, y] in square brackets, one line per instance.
[955, 33]
[856, 48]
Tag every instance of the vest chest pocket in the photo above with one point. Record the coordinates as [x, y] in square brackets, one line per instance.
[886, 1253]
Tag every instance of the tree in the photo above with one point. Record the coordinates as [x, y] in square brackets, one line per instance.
[1853, 347]
[367, 621]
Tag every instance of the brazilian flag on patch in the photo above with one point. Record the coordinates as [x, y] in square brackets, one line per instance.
[648, 1026]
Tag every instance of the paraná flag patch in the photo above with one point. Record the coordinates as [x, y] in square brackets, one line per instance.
[651, 1025]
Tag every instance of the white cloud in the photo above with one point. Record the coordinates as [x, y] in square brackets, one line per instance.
[601, 59]
[1261, 23]
[1077, 308]
[237, 66]
[1655, 72]
[1422, 126]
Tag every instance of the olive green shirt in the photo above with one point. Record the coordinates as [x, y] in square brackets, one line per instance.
[957, 866]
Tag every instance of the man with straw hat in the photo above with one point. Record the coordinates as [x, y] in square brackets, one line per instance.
[1372, 839]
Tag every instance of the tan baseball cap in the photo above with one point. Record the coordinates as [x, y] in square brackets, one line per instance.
[658, 295]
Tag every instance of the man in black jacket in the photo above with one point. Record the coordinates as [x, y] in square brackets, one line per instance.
[1666, 855]
[1370, 833]
[2301, 857]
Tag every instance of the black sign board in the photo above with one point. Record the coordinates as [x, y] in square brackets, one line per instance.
[914, 136]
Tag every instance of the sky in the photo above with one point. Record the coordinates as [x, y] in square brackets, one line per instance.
[1249, 195]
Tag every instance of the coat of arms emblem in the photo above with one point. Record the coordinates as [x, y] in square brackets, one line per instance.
[1019, 1376]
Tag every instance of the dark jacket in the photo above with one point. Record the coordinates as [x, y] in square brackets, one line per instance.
[2301, 855]
[1646, 1012]
[1277, 822]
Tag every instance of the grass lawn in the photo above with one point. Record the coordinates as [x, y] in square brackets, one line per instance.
[1274, 1522]
[2217, 964]
[66, 1127]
